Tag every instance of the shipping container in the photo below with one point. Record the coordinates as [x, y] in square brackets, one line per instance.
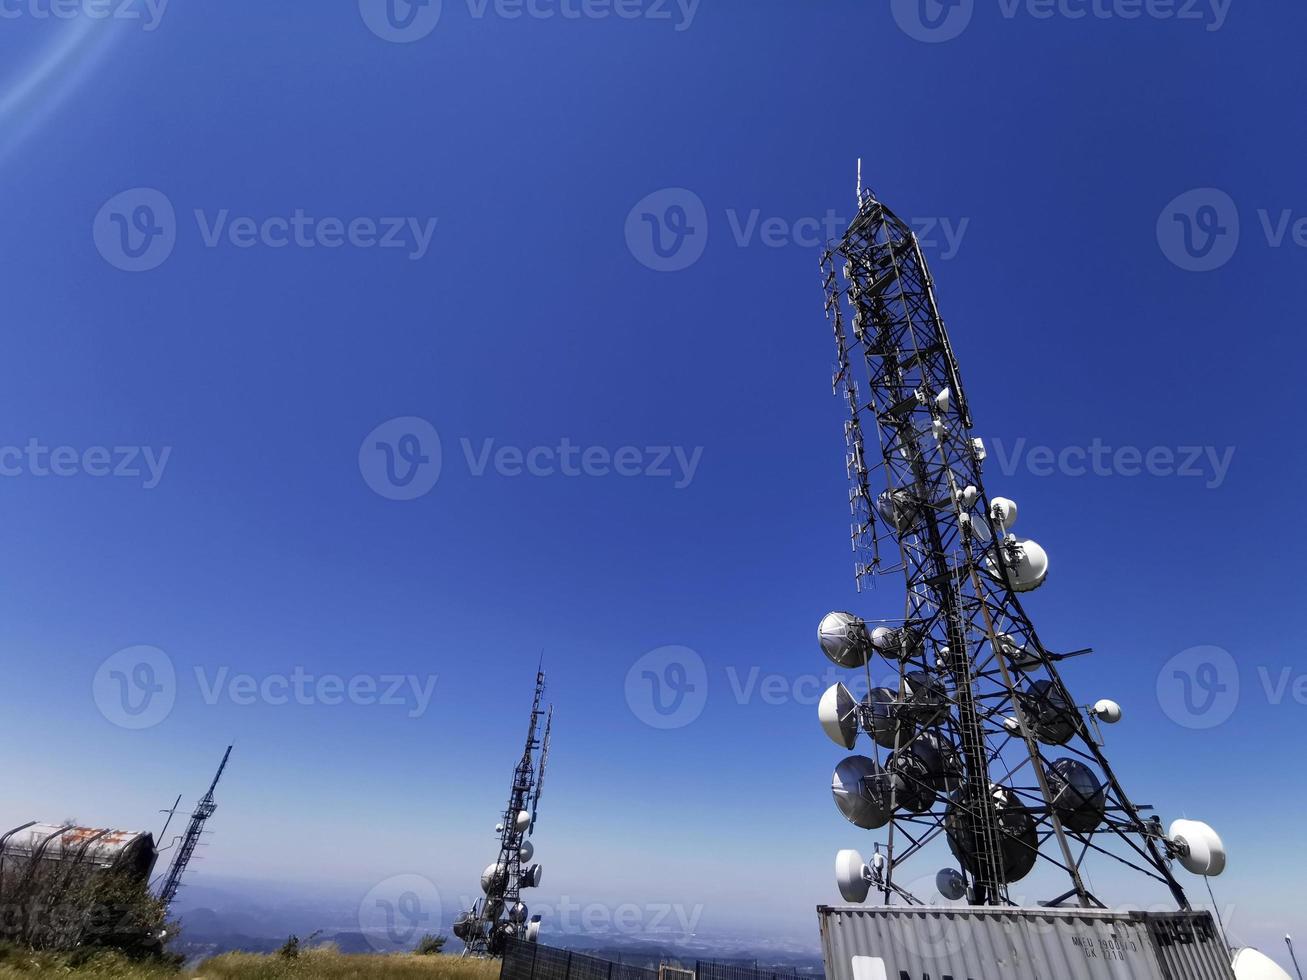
[963, 943]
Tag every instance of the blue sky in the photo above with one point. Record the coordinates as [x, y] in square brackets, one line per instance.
[238, 386]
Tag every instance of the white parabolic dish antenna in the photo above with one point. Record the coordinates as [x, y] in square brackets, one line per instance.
[491, 877]
[1027, 564]
[838, 713]
[844, 639]
[859, 791]
[1203, 850]
[1003, 512]
[850, 873]
[1249, 964]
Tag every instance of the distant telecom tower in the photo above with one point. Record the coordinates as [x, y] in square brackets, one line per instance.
[191, 839]
[977, 740]
[500, 916]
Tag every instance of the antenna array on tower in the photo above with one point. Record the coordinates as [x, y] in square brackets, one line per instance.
[500, 915]
[977, 739]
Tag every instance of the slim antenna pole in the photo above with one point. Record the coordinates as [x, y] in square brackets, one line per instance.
[171, 813]
[1288, 941]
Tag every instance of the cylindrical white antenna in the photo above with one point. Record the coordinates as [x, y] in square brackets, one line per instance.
[859, 181]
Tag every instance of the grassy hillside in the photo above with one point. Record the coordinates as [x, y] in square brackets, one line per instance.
[309, 965]
[330, 965]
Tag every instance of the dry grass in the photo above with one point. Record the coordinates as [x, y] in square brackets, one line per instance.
[311, 964]
[15, 965]
[329, 965]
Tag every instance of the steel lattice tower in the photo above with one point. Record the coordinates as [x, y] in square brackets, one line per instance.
[191, 839]
[968, 737]
[500, 915]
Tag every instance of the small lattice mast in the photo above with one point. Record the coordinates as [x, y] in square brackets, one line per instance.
[191, 839]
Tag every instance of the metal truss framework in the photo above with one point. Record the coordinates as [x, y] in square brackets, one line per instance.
[486, 933]
[963, 625]
[191, 839]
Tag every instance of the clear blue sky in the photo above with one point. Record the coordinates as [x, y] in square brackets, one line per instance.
[533, 316]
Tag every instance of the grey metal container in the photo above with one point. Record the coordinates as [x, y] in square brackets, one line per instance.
[961, 943]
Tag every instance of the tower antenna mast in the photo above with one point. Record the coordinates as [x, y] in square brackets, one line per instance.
[977, 738]
[501, 916]
[191, 839]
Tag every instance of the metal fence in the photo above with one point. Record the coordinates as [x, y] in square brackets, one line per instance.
[532, 961]
[712, 970]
